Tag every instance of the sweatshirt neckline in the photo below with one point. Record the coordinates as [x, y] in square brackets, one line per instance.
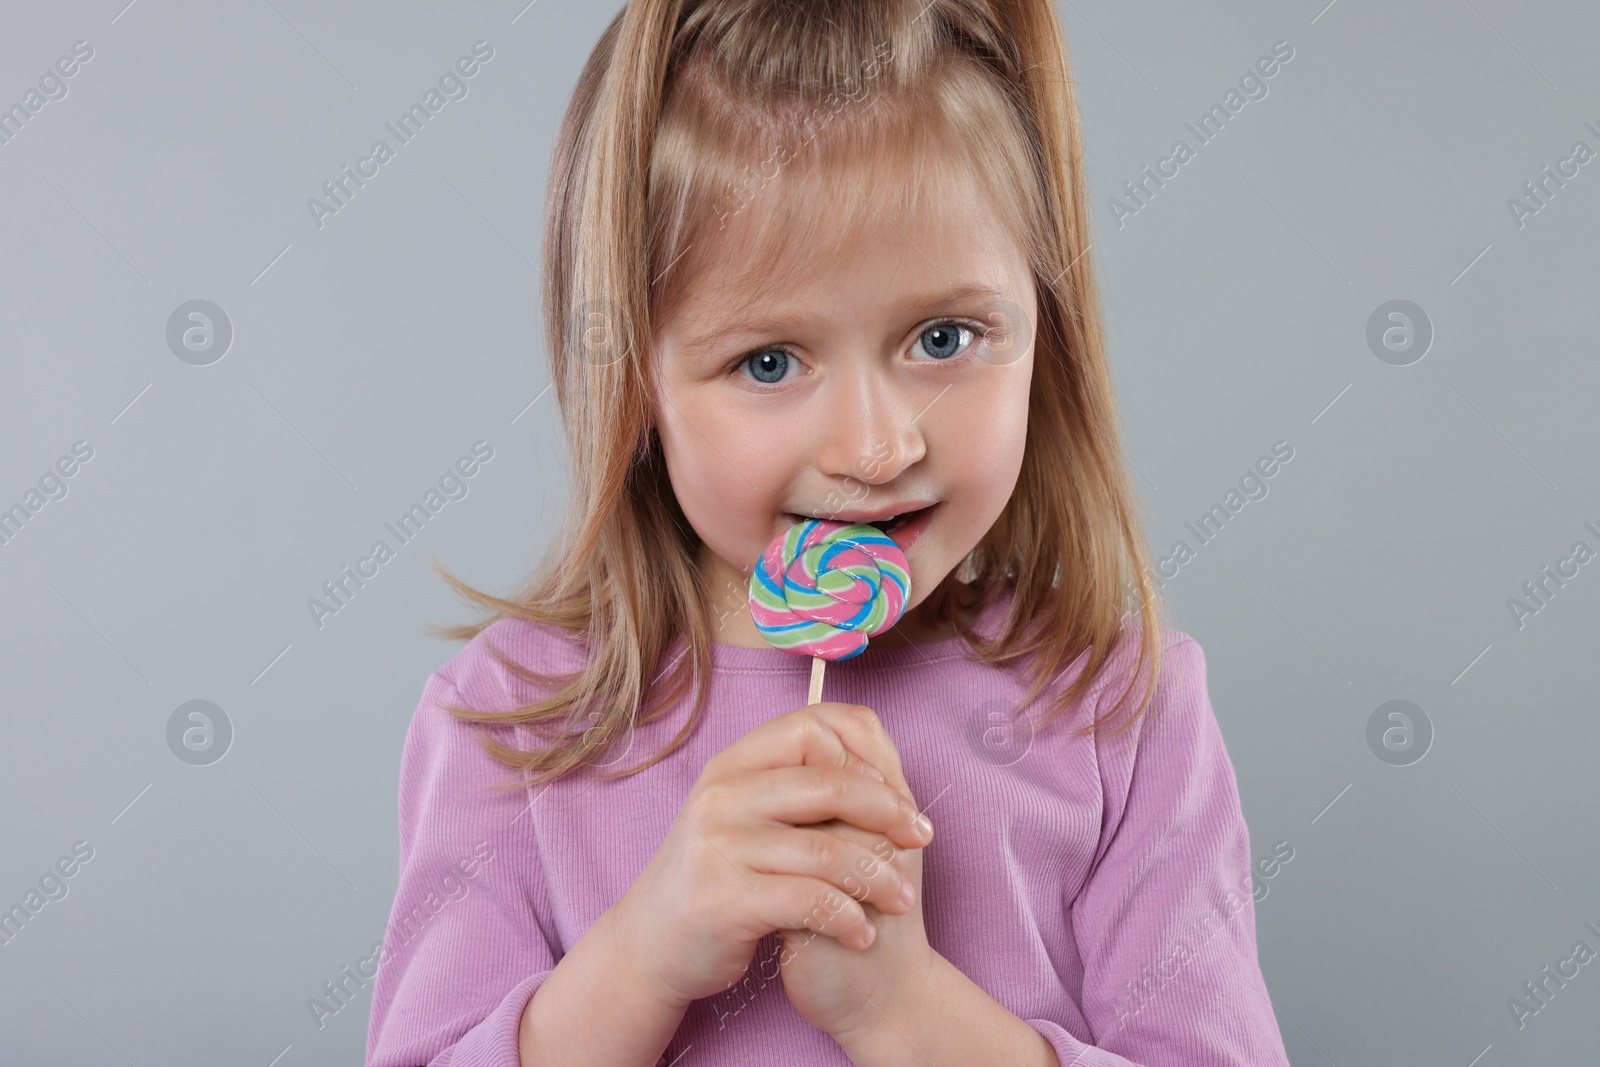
[743, 657]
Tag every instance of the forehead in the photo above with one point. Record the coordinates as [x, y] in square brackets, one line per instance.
[885, 235]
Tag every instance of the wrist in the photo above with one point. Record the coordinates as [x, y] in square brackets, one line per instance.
[630, 951]
[879, 1036]
[597, 1006]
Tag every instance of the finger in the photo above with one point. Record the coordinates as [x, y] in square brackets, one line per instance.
[797, 738]
[798, 902]
[796, 796]
[849, 761]
[862, 732]
[906, 861]
[848, 865]
[812, 736]
[881, 846]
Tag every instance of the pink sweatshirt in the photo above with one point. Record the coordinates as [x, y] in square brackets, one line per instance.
[1101, 891]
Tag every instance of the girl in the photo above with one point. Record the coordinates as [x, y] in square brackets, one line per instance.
[825, 259]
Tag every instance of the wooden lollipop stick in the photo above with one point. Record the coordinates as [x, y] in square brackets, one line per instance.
[817, 666]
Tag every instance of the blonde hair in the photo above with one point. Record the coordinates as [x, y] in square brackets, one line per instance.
[680, 102]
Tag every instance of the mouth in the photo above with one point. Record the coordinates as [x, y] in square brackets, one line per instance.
[903, 529]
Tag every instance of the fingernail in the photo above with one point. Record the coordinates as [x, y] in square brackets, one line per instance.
[924, 825]
[869, 935]
[872, 772]
[907, 894]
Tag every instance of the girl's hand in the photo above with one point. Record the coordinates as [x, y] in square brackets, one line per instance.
[740, 861]
[839, 989]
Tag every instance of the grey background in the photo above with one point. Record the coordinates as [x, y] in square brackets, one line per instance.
[370, 354]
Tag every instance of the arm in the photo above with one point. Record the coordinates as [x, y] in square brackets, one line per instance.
[1164, 923]
[950, 1021]
[593, 1010]
[470, 941]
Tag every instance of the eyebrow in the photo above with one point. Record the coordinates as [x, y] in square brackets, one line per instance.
[705, 342]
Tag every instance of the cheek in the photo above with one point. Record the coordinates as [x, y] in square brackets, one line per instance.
[991, 425]
[693, 465]
[726, 473]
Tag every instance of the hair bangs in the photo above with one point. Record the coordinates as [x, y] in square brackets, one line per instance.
[782, 198]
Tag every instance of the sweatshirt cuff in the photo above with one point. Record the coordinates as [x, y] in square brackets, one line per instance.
[1070, 1051]
[493, 1042]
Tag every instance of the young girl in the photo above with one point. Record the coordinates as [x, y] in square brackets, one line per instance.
[825, 259]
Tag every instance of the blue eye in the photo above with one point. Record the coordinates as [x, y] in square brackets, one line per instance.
[943, 340]
[768, 365]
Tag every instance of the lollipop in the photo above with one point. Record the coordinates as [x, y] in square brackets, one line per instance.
[824, 587]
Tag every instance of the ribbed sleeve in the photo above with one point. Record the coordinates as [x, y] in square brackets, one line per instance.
[468, 940]
[1165, 923]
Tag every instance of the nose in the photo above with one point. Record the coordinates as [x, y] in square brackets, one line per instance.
[870, 428]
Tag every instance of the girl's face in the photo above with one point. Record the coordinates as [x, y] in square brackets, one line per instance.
[864, 389]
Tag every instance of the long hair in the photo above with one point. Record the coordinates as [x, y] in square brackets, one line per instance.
[683, 112]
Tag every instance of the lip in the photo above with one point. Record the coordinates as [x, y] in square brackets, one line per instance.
[904, 535]
[869, 516]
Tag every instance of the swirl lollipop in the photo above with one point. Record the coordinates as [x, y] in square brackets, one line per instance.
[824, 587]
